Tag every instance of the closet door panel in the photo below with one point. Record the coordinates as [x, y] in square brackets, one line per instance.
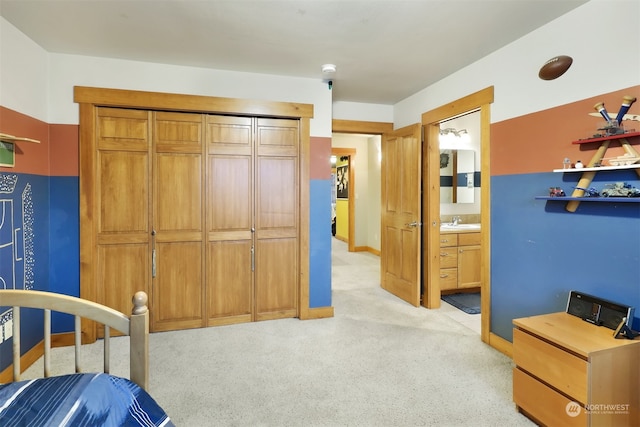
[177, 286]
[178, 132]
[179, 192]
[229, 210]
[178, 221]
[122, 273]
[277, 137]
[276, 218]
[123, 196]
[276, 201]
[230, 290]
[122, 130]
[276, 293]
[230, 194]
[120, 208]
[230, 135]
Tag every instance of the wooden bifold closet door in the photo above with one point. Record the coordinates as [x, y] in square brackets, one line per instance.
[201, 211]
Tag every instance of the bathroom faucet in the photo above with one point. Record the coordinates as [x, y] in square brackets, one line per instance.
[456, 220]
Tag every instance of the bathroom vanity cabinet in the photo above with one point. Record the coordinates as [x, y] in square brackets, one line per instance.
[459, 260]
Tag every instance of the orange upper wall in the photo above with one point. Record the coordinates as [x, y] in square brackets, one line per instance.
[538, 142]
[57, 153]
[320, 154]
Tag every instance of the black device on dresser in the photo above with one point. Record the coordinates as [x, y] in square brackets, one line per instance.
[599, 311]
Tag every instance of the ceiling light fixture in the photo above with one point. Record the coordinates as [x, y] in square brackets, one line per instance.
[450, 135]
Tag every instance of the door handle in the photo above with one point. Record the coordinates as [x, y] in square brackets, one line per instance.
[413, 224]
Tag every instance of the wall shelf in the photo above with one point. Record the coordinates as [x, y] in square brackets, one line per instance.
[598, 169]
[10, 138]
[589, 172]
[591, 199]
[607, 138]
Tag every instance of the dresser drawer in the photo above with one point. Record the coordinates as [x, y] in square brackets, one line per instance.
[448, 240]
[545, 404]
[553, 365]
[448, 278]
[448, 257]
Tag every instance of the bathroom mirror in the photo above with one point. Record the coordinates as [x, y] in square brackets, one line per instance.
[457, 172]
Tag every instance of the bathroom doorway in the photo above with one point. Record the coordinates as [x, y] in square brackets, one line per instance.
[431, 122]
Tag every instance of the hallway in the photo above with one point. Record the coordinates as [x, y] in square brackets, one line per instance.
[357, 275]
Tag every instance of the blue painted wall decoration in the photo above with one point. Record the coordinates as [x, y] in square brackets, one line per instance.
[24, 251]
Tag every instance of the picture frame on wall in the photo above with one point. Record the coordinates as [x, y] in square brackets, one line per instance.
[342, 182]
[7, 154]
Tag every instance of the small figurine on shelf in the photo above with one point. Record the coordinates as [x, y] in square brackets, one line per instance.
[578, 165]
[566, 163]
[620, 189]
[588, 192]
[556, 192]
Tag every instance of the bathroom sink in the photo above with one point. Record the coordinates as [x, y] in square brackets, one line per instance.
[460, 226]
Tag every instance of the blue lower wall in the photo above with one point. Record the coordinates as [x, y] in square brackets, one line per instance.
[320, 244]
[64, 244]
[540, 252]
[24, 251]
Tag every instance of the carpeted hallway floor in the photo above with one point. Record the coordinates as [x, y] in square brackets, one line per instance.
[378, 362]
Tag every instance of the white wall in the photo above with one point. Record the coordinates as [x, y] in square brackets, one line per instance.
[40, 84]
[375, 192]
[23, 73]
[362, 112]
[602, 37]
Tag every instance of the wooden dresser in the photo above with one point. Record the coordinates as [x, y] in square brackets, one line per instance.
[572, 373]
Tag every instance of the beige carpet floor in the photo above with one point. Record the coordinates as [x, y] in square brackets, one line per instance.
[378, 362]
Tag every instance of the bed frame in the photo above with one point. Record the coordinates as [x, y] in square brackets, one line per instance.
[136, 326]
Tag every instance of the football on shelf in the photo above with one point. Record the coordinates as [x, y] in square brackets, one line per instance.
[555, 67]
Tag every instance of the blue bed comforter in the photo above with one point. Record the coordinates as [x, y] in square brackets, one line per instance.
[79, 400]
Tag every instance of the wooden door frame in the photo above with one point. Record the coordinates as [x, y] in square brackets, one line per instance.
[355, 127]
[351, 153]
[481, 101]
[89, 98]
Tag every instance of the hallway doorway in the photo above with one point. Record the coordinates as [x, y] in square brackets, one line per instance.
[356, 190]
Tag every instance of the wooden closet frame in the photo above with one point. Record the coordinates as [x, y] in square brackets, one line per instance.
[89, 98]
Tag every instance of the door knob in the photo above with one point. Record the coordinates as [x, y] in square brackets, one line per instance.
[413, 224]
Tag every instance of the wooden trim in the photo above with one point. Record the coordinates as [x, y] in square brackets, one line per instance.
[485, 220]
[354, 126]
[503, 346]
[88, 223]
[304, 242]
[459, 106]
[196, 103]
[480, 100]
[367, 249]
[26, 360]
[318, 313]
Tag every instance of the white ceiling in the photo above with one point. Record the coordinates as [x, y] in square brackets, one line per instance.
[385, 50]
